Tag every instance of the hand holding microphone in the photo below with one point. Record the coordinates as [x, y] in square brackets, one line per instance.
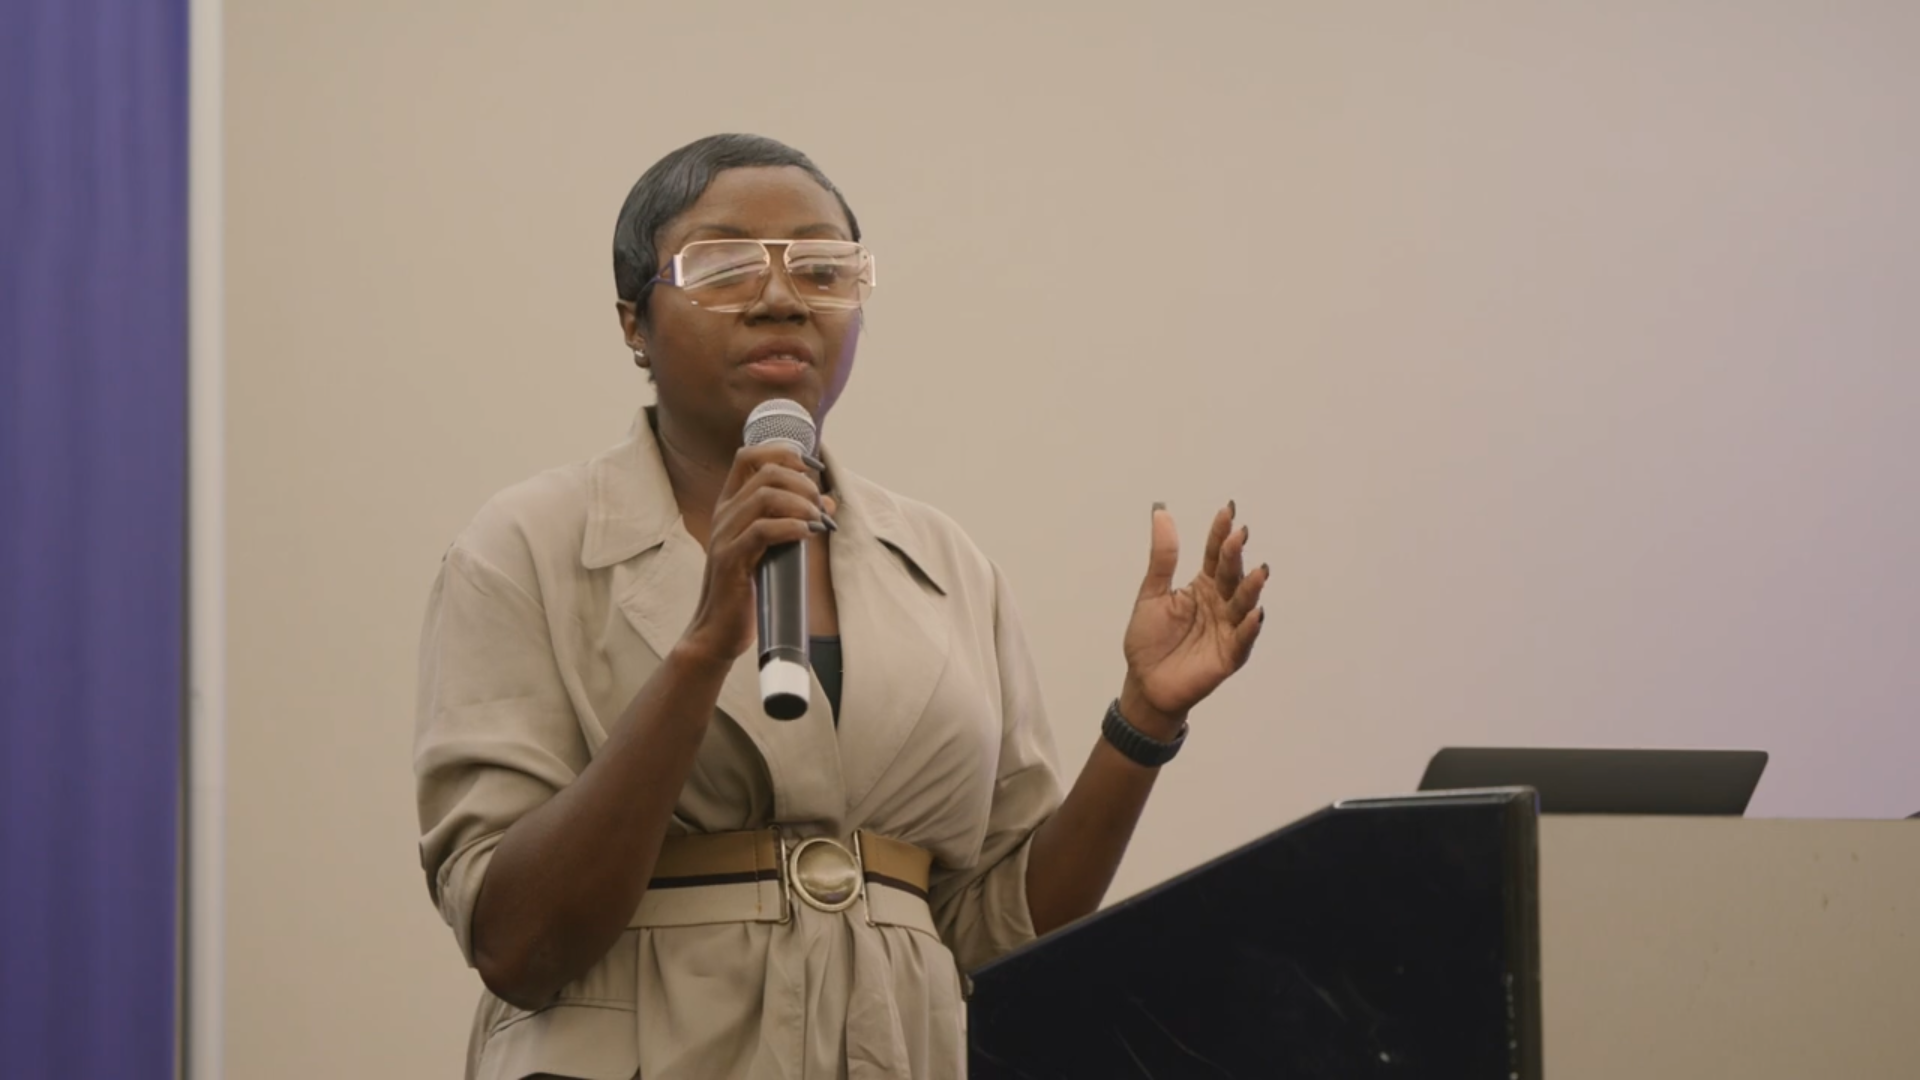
[756, 559]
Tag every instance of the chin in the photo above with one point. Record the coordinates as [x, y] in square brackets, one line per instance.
[804, 393]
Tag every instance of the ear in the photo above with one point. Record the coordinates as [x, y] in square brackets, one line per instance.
[632, 330]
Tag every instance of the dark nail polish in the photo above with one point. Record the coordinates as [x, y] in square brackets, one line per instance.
[1265, 570]
[1233, 510]
[827, 520]
[1159, 506]
[814, 463]
[1263, 616]
[818, 527]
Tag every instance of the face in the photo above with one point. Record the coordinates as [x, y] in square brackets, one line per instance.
[711, 369]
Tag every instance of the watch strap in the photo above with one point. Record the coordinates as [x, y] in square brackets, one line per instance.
[1137, 745]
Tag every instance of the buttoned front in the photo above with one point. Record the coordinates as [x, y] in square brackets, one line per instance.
[551, 610]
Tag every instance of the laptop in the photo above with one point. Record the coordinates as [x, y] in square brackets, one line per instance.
[1569, 781]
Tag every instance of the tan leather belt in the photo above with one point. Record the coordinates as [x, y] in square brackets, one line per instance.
[756, 876]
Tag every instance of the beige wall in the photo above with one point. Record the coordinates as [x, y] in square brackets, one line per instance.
[1564, 363]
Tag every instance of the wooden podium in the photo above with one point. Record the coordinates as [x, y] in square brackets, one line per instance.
[1393, 937]
[1459, 935]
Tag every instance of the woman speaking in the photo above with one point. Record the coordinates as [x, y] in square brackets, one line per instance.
[652, 875]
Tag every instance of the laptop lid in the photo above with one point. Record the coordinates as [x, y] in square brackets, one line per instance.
[1579, 781]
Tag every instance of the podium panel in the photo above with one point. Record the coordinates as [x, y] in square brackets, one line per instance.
[1392, 937]
[1686, 948]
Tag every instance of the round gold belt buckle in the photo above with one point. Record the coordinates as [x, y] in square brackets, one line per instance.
[825, 874]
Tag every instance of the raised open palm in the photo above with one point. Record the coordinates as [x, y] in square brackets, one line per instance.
[1183, 643]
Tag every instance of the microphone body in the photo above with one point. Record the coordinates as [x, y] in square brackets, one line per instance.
[780, 582]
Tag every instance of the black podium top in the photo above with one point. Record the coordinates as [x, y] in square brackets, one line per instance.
[1389, 937]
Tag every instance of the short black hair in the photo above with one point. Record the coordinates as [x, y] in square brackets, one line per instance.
[674, 184]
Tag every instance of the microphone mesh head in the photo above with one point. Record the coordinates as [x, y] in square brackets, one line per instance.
[783, 420]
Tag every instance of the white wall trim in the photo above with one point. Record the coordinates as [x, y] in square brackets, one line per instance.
[203, 1011]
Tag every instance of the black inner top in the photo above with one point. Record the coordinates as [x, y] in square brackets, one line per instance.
[824, 651]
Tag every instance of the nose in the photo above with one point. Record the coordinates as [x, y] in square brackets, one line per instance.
[779, 300]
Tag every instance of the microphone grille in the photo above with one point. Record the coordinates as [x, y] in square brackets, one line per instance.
[781, 419]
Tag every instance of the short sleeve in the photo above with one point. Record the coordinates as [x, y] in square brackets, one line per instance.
[495, 732]
[982, 911]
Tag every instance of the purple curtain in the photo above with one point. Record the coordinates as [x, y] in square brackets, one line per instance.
[93, 370]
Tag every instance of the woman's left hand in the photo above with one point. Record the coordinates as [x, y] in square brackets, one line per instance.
[1183, 643]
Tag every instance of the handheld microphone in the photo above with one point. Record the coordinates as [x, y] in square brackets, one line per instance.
[781, 580]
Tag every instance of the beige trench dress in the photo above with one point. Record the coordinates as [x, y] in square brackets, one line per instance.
[550, 611]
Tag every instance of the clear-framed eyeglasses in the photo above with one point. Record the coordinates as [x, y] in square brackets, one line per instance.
[726, 276]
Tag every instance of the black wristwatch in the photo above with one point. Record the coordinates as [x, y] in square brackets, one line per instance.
[1137, 745]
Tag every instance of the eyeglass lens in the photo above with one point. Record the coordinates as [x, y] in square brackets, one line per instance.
[830, 275]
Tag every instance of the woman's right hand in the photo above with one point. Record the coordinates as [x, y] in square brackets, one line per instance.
[769, 499]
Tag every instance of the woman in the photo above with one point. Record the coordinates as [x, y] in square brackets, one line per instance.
[651, 875]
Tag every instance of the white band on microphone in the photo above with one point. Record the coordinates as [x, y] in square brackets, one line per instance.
[785, 678]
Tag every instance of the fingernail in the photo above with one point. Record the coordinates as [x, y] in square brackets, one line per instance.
[814, 463]
[1159, 506]
[1233, 510]
[818, 527]
[1264, 570]
[827, 520]
[1263, 616]
[1246, 534]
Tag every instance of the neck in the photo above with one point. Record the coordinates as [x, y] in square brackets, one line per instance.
[697, 468]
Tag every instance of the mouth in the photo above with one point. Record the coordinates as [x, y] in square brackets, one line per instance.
[778, 361]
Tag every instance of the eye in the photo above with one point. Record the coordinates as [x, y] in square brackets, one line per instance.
[821, 273]
[721, 275]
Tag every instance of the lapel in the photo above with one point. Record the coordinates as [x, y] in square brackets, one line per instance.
[634, 527]
[893, 633]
